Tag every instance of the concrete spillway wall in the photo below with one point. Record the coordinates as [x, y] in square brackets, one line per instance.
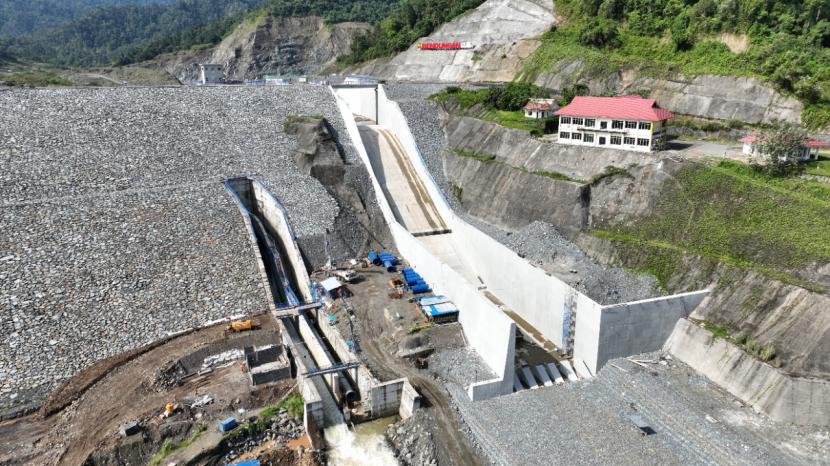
[549, 304]
[491, 333]
[253, 198]
[784, 398]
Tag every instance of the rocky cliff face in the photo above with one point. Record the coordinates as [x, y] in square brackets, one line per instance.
[718, 97]
[515, 148]
[504, 33]
[270, 45]
[530, 197]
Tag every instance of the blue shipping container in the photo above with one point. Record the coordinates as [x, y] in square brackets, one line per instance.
[421, 288]
[228, 424]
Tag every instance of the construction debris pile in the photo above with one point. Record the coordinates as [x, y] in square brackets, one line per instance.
[412, 440]
[278, 431]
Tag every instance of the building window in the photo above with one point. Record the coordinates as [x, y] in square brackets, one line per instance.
[616, 140]
[642, 142]
[645, 125]
[616, 124]
[590, 122]
[603, 125]
[576, 136]
[565, 120]
[577, 121]
[631, 125]
[564, 135]
[629, 141]
[588, 138]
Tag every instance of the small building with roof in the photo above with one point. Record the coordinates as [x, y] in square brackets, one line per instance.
[810, 150]
[626, 122]
[210, 73]
[540, 108]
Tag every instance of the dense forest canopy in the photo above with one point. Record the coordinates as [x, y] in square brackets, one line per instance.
[131, 33]
[107, 33]
[409, 21]
[332, 11]
[18, 17]
[787, 42]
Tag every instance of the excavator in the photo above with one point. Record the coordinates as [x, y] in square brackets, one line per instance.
[236, 326]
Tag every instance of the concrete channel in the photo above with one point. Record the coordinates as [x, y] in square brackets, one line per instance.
[316, 349]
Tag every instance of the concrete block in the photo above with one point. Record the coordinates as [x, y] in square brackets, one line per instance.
[568, 370]
[543, 375]
[517, 383]
[555, 374]
[529, 378]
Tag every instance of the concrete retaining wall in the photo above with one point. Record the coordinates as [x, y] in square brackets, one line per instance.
[314, 414]
[379, 398]
[488, 330]
[193, 361]
[786, 399]
[641, 326]
[275, 214]
[361, 102]
[542, 300]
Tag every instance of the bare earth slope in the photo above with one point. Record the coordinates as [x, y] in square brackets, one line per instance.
[503, 32]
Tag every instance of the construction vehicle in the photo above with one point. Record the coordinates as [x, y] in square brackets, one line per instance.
[236, 326]
[169, 409]
[347, 275]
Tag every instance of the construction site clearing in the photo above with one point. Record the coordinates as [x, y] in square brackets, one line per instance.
[202, 397]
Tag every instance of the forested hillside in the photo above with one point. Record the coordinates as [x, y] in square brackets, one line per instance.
[332, 11]
[105, 34]
[142, 30]
[19, 17]
[784, 42]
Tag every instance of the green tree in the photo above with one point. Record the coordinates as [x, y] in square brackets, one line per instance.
[569, 92]
[780, 149]
[600, 32]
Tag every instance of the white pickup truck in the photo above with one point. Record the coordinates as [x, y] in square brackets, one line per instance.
[347, 275]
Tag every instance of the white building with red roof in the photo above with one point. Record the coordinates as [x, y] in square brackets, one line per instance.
[810, 149]
[626, 122]
[540, 108]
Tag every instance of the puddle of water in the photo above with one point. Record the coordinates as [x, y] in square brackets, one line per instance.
[365, 447]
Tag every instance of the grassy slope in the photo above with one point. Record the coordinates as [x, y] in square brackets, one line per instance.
[734, 215]
[472, 103]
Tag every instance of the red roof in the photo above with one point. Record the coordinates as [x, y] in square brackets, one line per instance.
[629, 107]
[811, 143]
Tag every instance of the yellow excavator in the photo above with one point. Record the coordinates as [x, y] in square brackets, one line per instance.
[236, 326]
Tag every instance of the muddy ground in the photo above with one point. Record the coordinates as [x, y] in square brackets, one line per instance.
[383, 327]
[130, 387]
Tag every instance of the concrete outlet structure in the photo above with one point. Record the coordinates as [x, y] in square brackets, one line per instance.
[266, 364]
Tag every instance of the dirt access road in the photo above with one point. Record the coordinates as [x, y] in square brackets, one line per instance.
[125, 392]
[374, 331]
